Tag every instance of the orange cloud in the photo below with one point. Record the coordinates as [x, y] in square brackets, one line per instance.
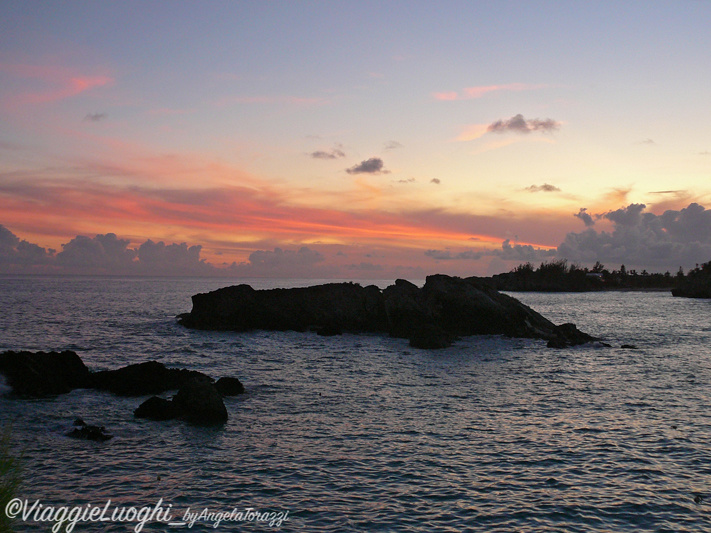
[238, 214]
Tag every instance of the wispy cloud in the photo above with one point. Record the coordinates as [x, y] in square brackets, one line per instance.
[472, 132]
[334, 153]
[447, 255]
[57, 83]
[470, 93]
[278, 99]
[95, 117]
[546, 187]
[392, 145]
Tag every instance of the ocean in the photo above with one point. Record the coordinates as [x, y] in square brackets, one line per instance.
[363, 432]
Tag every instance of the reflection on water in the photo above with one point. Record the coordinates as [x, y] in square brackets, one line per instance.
[363, 433]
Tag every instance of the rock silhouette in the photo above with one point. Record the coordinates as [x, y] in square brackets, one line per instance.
[38, 374]
[430, 317]
[198, 402]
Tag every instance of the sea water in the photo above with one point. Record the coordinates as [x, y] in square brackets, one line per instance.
[363, 432]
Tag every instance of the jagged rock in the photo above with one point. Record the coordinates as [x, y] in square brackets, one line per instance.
[568, 335]
[38, 374]
[82, 430]
[455, 306]
[229, 386]
[140, 379]
[41, 374]
[346, 306]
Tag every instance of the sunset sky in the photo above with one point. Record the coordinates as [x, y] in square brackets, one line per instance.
[353, 139]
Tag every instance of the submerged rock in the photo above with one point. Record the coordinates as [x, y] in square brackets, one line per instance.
[432, 316]
[84, 431]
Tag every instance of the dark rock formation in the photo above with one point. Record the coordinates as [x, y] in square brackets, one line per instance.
[82, 430]
[431, 316]
[200, 403]
[140, 379]
[568, 335]
[197, 402]
[431, 337]
[49, 374]
[336, 306]
[155, 408]
[229, 386]
[38, 374]
[199, 398]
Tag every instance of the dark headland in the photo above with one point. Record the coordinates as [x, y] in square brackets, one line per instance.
[430, 317]
[559, 276]
[696, 284]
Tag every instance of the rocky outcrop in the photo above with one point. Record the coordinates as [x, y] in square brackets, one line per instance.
[197, 402]
[431, 316]
[331, 307]
[140, 379]
[38, 374]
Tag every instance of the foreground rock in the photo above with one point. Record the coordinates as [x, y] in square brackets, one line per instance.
[38, 374]
[140, 379]
[431, 317]
[197, 402]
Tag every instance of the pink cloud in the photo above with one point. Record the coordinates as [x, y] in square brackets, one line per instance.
[56, 83]
[469, 93]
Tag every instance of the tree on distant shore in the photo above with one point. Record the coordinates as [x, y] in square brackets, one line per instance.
[558, 275]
